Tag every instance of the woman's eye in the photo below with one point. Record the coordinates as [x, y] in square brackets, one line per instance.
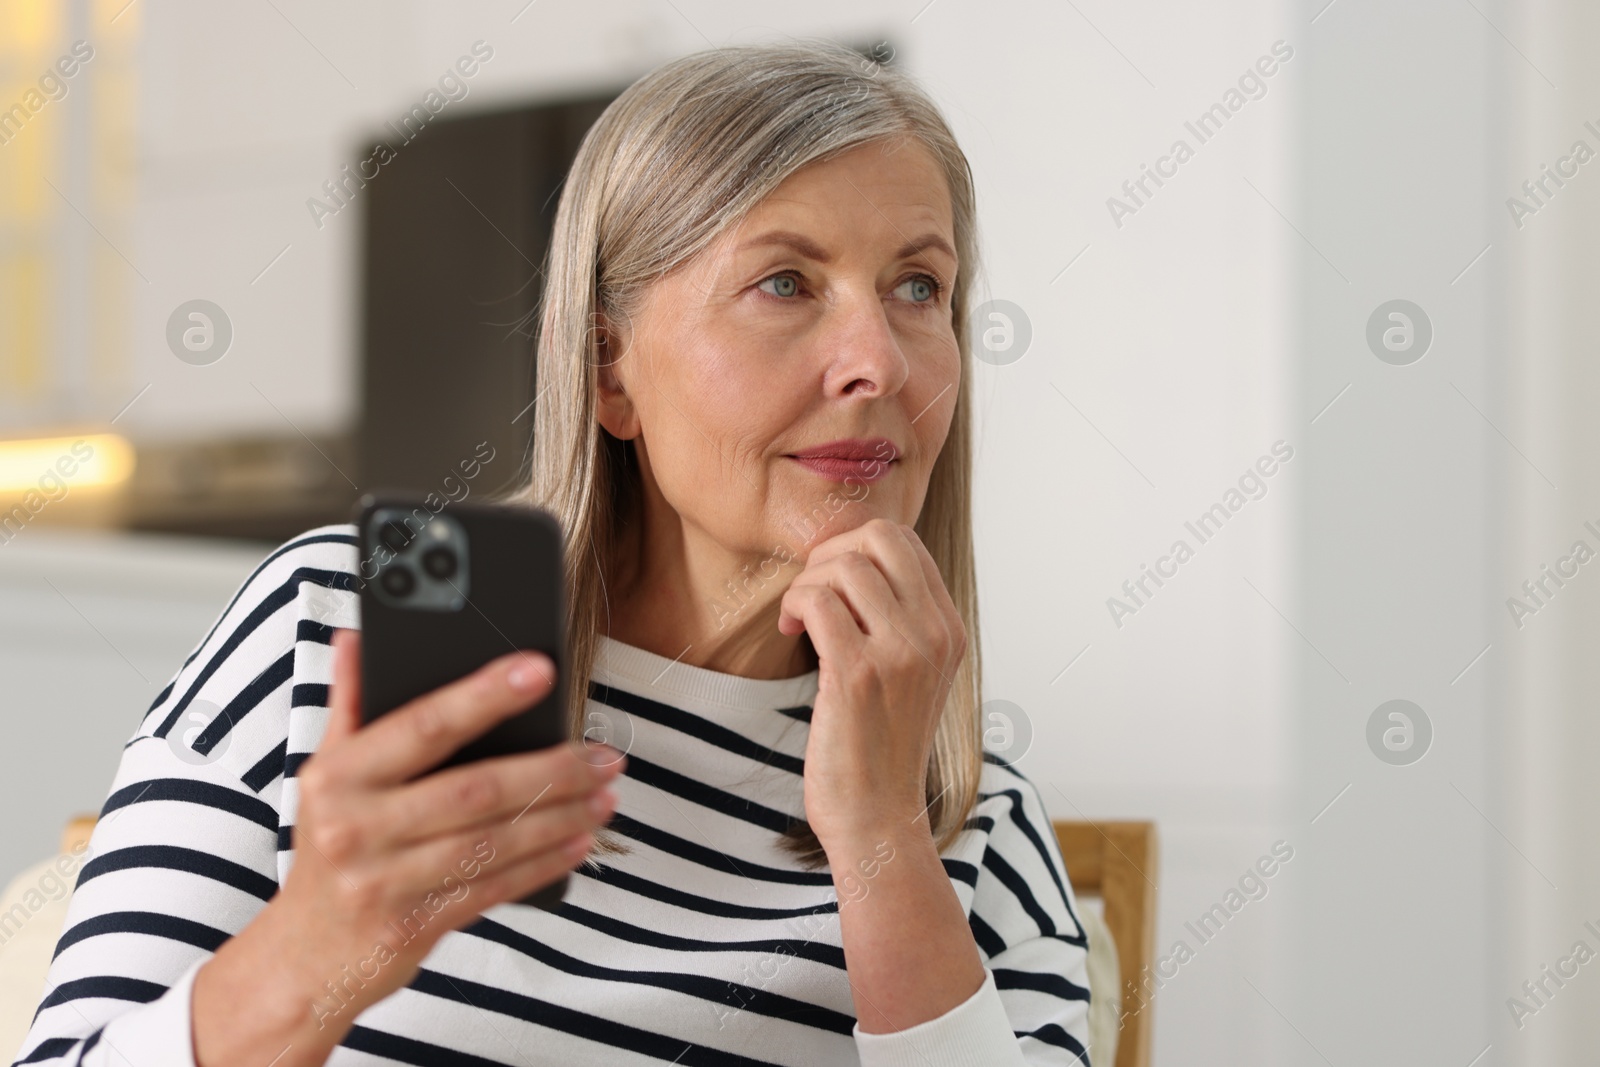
[782, 285]
[923, 289]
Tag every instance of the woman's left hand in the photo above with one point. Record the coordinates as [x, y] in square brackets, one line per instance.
[888, 641]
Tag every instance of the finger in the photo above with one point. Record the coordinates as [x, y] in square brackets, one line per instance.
[919, 627]
[485, 884]
[789, 607]
[886, 544]
[930, 569]
[529, 875]
[500, 845]
[889, 545]
[822, 613]
[344, 697]
[936, 585]
[417, 736]
[488, 791]
[862, 586]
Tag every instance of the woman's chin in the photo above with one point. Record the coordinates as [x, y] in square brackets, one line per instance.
[808, 524]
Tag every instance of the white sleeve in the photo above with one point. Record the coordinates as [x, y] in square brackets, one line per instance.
[976, 1031]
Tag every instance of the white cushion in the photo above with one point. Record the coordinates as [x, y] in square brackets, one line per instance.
[1105, 987]
[33, 911]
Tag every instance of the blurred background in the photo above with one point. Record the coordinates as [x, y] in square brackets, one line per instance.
[260, 255]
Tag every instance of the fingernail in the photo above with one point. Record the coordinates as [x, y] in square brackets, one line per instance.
[600, 755]
[529, 671]
[602, 803]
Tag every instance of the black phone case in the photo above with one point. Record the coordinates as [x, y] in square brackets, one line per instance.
[515, 600]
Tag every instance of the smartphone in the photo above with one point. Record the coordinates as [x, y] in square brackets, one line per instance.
[445, 591]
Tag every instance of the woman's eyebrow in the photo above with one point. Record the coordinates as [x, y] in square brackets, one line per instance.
[811, 250]
[789, 239]
[927, 240]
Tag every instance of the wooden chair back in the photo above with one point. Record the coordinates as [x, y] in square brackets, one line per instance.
[77, 831]
[1117, 862]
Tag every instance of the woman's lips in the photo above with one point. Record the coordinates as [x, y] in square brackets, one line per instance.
[864, 459]
[837, 469]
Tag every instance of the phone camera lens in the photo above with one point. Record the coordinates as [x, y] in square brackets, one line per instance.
[394, 535]
[399, 581]
[439, 562]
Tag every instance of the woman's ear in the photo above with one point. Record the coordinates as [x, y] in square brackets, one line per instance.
[613, 406]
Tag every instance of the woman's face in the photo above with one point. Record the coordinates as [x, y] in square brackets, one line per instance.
[823, 317]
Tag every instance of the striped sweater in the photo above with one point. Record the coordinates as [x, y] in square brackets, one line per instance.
[706, 944]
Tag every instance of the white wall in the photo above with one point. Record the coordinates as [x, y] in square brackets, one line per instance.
[1168, 339]
[1394, 932]
[93, 628]
[1551, 799]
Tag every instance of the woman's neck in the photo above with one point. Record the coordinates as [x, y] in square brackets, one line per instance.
[679, 595]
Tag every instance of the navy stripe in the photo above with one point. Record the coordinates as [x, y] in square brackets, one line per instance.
[107, 987]
[1012, 880]
[249, 698]
[990, 942]
[319, 633]
[269, 605]
[580, 1024]
[173, 858]
[165, 693]
[1053, 1034]
[1018, 885]
[279, 552]
[687, 723]
[194, 791]
[710, 857]
[712, 990]
[268, 768]
[89, 1043]
[1020, 818]
[691, 901]
[409, 1050]
[1054, 985]
[307, 695]
[813, 950]
[707, 796]
[961, 871]
[55, 1046]
[152, 923]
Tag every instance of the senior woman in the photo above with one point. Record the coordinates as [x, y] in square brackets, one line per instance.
[755, 430]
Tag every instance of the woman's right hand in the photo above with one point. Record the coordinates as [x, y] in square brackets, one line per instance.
[373, 847]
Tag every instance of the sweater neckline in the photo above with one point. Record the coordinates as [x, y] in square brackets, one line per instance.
[645, 672]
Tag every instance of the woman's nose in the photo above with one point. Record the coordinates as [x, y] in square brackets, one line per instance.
[865, 355]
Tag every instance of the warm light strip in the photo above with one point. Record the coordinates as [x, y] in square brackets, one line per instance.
[48, 463]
